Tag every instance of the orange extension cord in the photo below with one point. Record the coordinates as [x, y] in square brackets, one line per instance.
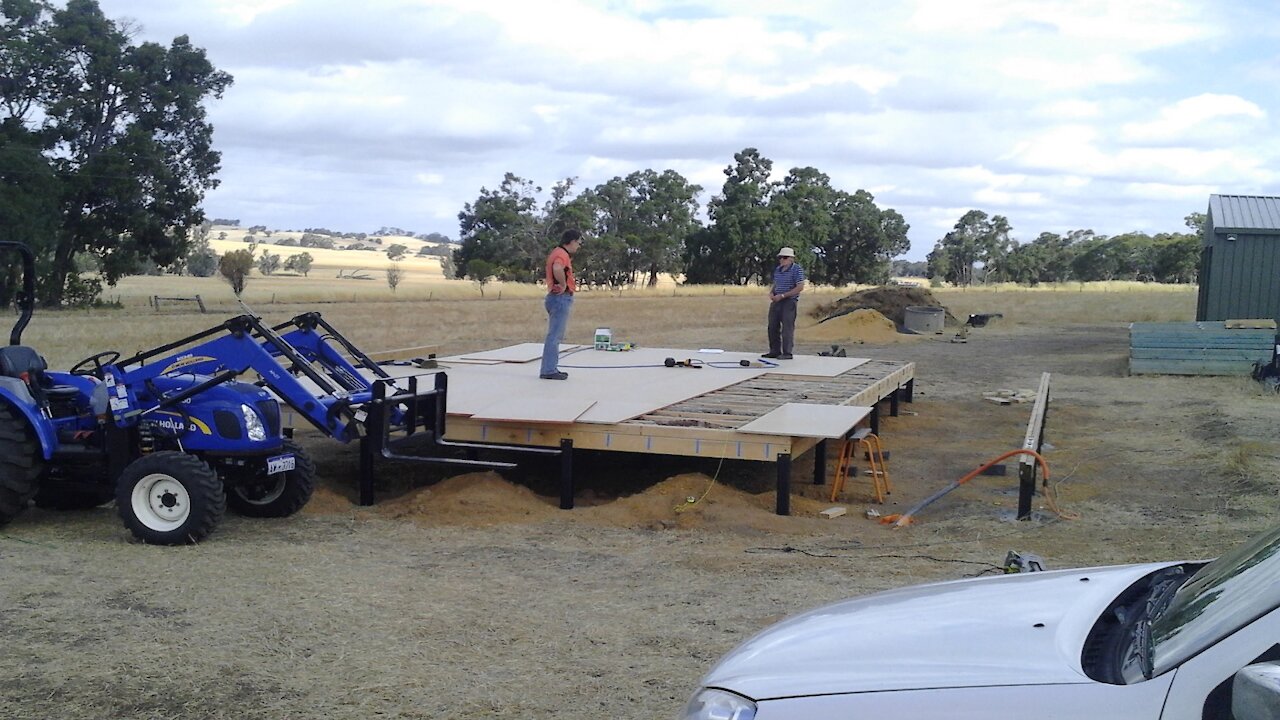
[908, 517]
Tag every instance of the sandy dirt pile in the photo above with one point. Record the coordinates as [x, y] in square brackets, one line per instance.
[694, 500]
[861, 326]
[686, 501]
[474, 499]
[891, 302]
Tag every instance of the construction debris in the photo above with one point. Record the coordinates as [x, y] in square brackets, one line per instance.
[1008, 397]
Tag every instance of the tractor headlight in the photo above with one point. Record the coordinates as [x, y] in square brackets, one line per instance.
[253, 424]
[712, 704]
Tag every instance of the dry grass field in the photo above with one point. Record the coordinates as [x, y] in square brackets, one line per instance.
[473, 596]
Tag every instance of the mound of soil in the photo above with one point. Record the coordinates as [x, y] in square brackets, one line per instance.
[861, 326]
[486, 499]
[714, 504]
[474, 499]
[891, 302]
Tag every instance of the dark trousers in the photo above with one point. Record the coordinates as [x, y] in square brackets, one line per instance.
[782, 325]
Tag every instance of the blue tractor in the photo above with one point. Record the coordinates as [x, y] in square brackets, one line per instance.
[177, 434]
[172, 447]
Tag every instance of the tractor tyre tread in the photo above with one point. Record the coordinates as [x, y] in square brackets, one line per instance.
[208, 500]
[21, 463]
[299, 485]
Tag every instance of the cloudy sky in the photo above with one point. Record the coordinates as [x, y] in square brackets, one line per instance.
[1059, 114]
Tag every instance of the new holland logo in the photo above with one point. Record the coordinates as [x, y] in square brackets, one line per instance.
[173, 425]
[186, 361]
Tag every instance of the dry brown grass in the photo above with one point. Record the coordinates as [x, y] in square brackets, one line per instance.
[453, 315]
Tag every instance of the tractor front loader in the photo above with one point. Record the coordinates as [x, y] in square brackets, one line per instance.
[175, 434]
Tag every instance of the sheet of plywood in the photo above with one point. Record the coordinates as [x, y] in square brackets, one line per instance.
[533, 409]
[801, 420]
[817, 365]
[522, 353]
[613, 386]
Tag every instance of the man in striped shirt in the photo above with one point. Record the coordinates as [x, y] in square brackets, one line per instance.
[788, 283]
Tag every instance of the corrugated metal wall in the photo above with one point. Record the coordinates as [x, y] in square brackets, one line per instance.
[1243, 278]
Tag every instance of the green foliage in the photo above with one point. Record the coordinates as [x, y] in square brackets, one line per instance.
[975, 239]
[503, 229]
[740, 247]
[234, 267]
[115, 131]
[481, 272]
[268, 262]
[316, 241]
[396, 251]
[300, 263]
[839, 237]
[1080, 255]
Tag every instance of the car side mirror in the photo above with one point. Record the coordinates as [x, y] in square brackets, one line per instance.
[1255, 692]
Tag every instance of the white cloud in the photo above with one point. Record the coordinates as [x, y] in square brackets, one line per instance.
[1208, 116]
[1059, 114]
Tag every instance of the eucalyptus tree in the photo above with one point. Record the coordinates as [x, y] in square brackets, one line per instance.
[666, 209]
[976, 238]
[118, 129]
[501, 228]
[864, 241]
[740, 246]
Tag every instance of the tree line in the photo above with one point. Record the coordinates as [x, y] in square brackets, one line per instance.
[979, 249]
[647, 223]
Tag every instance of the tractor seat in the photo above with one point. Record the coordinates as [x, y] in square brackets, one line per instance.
[19, 360]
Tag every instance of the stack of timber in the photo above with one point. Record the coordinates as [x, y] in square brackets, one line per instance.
[1211, 347]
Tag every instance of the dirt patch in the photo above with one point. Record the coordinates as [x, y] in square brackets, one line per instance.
[891, 302]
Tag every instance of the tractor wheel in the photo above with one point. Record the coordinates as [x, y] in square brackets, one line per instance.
[54, 495]
[279, 495]
[21, 463]
[170, 498]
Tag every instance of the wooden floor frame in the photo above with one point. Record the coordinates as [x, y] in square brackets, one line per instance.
[707, 425]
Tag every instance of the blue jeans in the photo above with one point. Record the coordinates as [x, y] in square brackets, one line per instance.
[558, 309]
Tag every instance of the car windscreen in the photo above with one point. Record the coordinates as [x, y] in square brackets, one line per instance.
[1224, 596]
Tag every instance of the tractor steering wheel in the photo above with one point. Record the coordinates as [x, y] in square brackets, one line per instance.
[96, 361]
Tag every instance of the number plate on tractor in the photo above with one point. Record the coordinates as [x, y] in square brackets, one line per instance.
[279, 464]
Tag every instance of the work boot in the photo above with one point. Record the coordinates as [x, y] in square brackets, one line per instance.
[771, 355]
[783, 356]
[555, 376]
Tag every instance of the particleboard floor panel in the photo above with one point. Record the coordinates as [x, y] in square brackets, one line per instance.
[530, 409]
[660, 410]
[522, 353]
[616, 386]
[817, 421]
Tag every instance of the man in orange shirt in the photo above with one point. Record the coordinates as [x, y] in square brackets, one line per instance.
[559, 302]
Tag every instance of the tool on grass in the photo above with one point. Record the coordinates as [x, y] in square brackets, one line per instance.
[909, 516]
[1016, 562]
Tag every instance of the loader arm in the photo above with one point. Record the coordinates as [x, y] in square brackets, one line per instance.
[333, 408]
